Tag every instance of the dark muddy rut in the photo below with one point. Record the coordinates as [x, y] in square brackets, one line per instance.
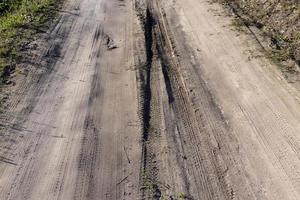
[182, 149]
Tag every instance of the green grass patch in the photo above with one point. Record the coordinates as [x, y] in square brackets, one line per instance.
[20, 20]
[8, 5]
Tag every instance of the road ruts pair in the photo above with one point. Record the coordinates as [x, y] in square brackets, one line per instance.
[188, 149]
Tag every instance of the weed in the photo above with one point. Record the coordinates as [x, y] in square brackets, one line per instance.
[182, 196]
[19, 21]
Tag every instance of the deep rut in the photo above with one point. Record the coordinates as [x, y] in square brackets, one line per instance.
[186, 144]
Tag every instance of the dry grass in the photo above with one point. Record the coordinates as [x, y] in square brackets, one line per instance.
[278, 20]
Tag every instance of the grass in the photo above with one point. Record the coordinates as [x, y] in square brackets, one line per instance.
[279, 20]
[20, 20]
[182, 196]
[7, 5]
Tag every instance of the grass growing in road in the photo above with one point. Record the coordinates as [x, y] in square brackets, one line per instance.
[20, 20]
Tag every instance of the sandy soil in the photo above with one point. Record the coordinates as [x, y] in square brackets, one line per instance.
[261, 146]
[81, 137]
[149, 100]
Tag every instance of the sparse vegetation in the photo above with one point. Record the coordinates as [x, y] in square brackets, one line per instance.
[278, 19]
[19, 21]
[182, 196]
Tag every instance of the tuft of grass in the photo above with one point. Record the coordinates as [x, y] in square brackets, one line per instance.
[20, 20]
[182, 196]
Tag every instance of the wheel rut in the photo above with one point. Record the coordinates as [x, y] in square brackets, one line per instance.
[186, 150]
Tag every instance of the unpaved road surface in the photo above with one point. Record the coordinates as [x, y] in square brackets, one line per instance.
[136, 99]
[80, 138]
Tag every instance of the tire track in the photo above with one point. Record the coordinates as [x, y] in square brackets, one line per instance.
[81, 126]
[208, 160]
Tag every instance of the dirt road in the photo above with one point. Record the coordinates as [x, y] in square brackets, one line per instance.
[79, 137]
[149, 100]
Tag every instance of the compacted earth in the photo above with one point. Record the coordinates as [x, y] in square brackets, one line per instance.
[149, 99]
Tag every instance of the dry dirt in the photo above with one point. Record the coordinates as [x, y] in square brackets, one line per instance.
[133, 99]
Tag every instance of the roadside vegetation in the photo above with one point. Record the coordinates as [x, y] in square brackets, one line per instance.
[20, 20]
[279, 20]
